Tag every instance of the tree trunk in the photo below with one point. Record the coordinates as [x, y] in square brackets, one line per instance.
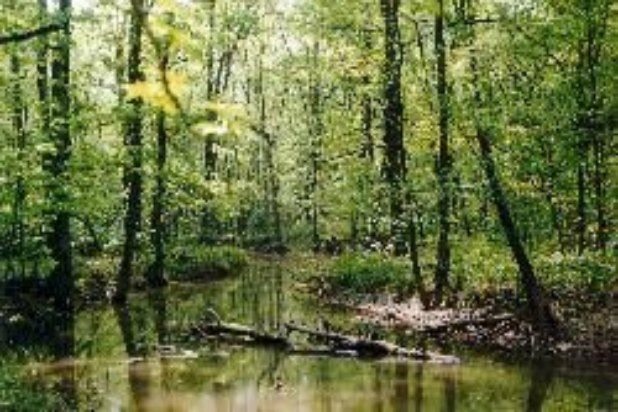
[156, 274]
[581, 195]
[208, 223]
[210, 157]
[443, 258]
[315, 110]
[539, 308]
[367, 149]
[394, 166]
[19, 126]
[133, 144]
[56, 164]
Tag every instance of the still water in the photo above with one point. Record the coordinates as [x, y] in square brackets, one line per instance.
[109, 363]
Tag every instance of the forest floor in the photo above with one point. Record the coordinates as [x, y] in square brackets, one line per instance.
[495, 324]
[486, 320]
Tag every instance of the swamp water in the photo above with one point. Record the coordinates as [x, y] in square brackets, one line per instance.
[98, 374]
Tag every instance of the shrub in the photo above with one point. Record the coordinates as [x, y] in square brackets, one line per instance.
[369, 273]
[16, 394]
[479, 264]
[590, 272]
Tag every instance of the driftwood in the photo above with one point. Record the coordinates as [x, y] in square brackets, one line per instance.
[338, 345]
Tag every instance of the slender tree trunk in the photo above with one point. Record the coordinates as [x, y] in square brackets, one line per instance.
[19, 125]
[42, 80]
[540, 310]
[208, 223]
[133, 144]
[599, 186]
[42, 65]
[367, 152]
[443, 258]
[548, 190]
[595, 33]
[156, 274]
[596, 16]
[315, 109]
[367, 149]
[394, 166]
[56, 164]
[210, 157]
[581, 196]
[413, 239]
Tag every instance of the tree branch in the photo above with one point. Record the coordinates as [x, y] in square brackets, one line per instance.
[29, 34]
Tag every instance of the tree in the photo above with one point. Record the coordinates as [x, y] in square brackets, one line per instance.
[394, 167]
[56, 165]
[133, 142]
[443, 168]
[539, 307]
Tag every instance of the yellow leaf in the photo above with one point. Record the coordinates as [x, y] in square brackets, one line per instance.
[155, 93]
[210, 128]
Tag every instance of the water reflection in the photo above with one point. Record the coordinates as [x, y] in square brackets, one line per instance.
[402, 387]
[418, 388]
[231, 378]
[540, 382]
[449, 392]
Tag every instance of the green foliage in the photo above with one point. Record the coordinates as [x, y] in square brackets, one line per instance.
[368, 273]
[589, 273]
[479, 264]
[206, 262]
[18, 395]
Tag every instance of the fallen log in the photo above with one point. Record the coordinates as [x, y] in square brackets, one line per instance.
[369, 347]
[339, 345]
[233, 329]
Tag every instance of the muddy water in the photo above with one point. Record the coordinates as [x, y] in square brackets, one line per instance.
[109, 363]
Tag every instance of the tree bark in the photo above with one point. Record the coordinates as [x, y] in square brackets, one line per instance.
[156, 273]
[315, 110]
[394, 168]
[56, 164]
[133, 144]
[443, 257]
[19, 126]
